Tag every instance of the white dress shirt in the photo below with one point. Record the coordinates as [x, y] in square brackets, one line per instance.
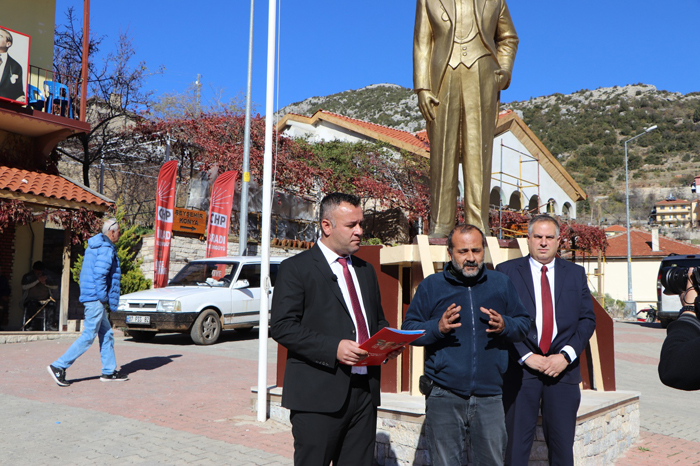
[337, 270]
[536, 269]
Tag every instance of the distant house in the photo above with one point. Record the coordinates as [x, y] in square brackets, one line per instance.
[516, 183]
[647, 250]
[614, 230]
[676, 213]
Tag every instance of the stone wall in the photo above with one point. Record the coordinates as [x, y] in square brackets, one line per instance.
[607, 425]
[183, 249]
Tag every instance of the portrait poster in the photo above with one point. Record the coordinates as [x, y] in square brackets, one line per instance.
[14, 68]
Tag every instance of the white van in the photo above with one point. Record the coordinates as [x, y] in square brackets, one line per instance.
[206, 296]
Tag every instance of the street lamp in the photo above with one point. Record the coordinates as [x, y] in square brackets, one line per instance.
[630, 305]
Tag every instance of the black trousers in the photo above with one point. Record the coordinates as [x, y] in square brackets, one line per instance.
[345, 438]
[559, 403]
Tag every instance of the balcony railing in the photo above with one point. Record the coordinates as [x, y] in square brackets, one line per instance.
[53, 93]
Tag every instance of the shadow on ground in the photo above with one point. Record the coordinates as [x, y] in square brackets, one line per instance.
[185, 340]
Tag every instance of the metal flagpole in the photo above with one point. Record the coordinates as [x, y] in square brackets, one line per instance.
[266, 211]
[243, 223]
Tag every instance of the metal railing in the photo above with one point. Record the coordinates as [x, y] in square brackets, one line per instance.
[55, 93]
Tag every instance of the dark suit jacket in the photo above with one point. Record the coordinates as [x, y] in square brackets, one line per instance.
[8, 89]
[573, 307]
[309, 318]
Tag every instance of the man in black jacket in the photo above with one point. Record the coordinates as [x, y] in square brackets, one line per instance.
[681, 349]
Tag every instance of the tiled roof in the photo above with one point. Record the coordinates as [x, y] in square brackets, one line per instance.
[613, 228]
[675, 202]
[53, 187]
[396, 137]
[640, 242]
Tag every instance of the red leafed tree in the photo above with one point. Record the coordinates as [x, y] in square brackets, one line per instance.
[216, 140]
[368, 170]
[82, 223]
[15, 212]
[584, 238]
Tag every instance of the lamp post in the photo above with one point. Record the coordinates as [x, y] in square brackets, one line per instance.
[630, 305]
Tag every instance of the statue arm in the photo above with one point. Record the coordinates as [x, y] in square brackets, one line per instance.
[506, 45]
[422, 50]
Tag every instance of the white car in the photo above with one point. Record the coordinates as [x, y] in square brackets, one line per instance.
[206, 296]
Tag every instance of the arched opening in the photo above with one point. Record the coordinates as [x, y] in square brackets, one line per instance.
[552, 207]
[514, 202]
[566, 211]
[534, 205]
[496, 198]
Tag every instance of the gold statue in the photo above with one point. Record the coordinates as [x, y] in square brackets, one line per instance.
[463, 54]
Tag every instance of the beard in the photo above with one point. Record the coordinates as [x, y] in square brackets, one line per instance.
[460, 267]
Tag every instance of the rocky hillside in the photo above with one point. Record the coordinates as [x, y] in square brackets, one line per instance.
[586, 130]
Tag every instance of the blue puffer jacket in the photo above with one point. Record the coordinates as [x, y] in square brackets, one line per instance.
[468, 360]
[100, 275]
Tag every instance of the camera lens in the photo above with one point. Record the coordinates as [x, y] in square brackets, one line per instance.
[674, 279]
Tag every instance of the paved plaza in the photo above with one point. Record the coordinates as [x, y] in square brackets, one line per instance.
[188, 404]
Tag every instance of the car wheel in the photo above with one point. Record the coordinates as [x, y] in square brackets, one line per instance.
[664, 322]
[207, 328]
[243, 329]
[140, 335]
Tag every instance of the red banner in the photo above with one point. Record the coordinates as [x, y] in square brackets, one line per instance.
[220, 214]
[165, 206]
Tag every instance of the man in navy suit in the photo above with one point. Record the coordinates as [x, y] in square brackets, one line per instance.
[11, 76]
[326, 303]
[544, 371]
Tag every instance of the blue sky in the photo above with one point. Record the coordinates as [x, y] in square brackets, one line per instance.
[336, 45]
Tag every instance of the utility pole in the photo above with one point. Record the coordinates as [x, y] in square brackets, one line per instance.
[198, 94]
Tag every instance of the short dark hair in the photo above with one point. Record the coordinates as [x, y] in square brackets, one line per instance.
[38, 265]
[331, 202]
[542, 218]
[464, 228]
[8, 36]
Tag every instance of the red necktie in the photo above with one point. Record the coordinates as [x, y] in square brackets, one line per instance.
[359, 318]
[547, 313]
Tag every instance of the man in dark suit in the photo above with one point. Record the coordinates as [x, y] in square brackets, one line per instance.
[326, 303]
[544, 370]
[11, 81]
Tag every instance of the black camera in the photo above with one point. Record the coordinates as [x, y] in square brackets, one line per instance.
[675, 279]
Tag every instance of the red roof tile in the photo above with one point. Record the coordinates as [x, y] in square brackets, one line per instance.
[48, 186]
[614, 228]
[640, 242]
[676, 201]
[404, 136]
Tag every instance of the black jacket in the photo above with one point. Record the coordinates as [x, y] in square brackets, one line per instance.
[678, 366]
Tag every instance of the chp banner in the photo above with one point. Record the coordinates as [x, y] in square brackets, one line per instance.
[220, 213]
[165, 207]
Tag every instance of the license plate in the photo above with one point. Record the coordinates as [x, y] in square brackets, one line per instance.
[138, 319]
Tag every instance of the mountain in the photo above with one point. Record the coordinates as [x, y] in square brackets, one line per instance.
[585, 130]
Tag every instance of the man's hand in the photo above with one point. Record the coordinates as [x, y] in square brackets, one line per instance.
[688, 298]
[394, 354]
[495, 321]
[448, 321]
[554, 365]
[502, 79]
[536, 362]
[349, 352]
[426, 102]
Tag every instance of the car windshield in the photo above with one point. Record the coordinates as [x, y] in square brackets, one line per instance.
[205, 274]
